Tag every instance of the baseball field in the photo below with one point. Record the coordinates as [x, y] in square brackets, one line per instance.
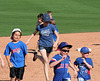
[78, 22]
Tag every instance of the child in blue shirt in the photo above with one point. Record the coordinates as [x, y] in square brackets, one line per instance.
[84, 65]
[61, 62]
[54, 23]
[16, 50]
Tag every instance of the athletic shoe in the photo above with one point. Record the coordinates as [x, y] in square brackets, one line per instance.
[35, 53]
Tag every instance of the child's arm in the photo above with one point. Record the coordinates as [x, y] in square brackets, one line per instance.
[57, 62]
[75, 71]
[88, 65]
[8, 60]
[76, 68]
[2, 62]
[57, 35]
[33, 34]
[25, 60]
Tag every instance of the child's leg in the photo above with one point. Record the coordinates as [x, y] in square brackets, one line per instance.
[12, 74]
[45, 58]
[12, 79]
[17, 79]
[19, 73]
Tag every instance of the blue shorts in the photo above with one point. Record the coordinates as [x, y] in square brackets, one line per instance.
[48, 49]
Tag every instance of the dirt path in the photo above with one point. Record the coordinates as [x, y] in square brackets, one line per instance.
[34, 71]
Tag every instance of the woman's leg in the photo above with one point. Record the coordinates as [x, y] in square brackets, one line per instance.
[45, 59]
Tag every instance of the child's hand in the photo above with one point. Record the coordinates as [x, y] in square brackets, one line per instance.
[63, 57]
[2, 64]
[25, 64]
[26, 43]
[10, 65]
[55, 45]
[84, 60]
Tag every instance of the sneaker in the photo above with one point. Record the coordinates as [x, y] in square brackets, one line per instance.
[34, 58]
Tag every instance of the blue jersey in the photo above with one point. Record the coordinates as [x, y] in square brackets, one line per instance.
[61, 69]
[84, 72]
[18, 51]
[46, 35]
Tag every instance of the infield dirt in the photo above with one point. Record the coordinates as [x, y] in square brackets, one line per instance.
[34, 71]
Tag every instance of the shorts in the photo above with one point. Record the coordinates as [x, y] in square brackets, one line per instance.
[48, 49]
[82, 79]
[17, 72]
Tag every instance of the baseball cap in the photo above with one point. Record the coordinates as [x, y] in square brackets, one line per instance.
[64, 44]
[16, 29]
[46, 17]
[85, 50]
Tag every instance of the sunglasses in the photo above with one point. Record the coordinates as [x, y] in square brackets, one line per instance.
[65, 50]
[86, 53]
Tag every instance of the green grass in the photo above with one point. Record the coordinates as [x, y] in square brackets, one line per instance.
[71, 16]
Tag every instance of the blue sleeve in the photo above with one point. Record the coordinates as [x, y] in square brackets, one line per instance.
[54, 59]
[7, 50]
[91, 62]
[53, 28]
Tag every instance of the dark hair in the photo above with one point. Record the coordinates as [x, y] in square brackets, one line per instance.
[52, 21]
[14, 33]
[49, 12]
[40, 15]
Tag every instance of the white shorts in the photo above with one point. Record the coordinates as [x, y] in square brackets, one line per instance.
[82, 79]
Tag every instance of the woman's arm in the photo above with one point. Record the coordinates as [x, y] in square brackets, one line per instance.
[33, 34]
[76, 68]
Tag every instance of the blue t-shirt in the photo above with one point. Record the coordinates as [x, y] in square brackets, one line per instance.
[46, 35]
[54, 36]
[18, 52]
[61, 69]
[84, 72]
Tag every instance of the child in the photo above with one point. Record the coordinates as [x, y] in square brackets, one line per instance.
[2, 62]
[16, 50]
[61, 62]
[39, 22]
[83, 65]
[46, 31]
[52, 21]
